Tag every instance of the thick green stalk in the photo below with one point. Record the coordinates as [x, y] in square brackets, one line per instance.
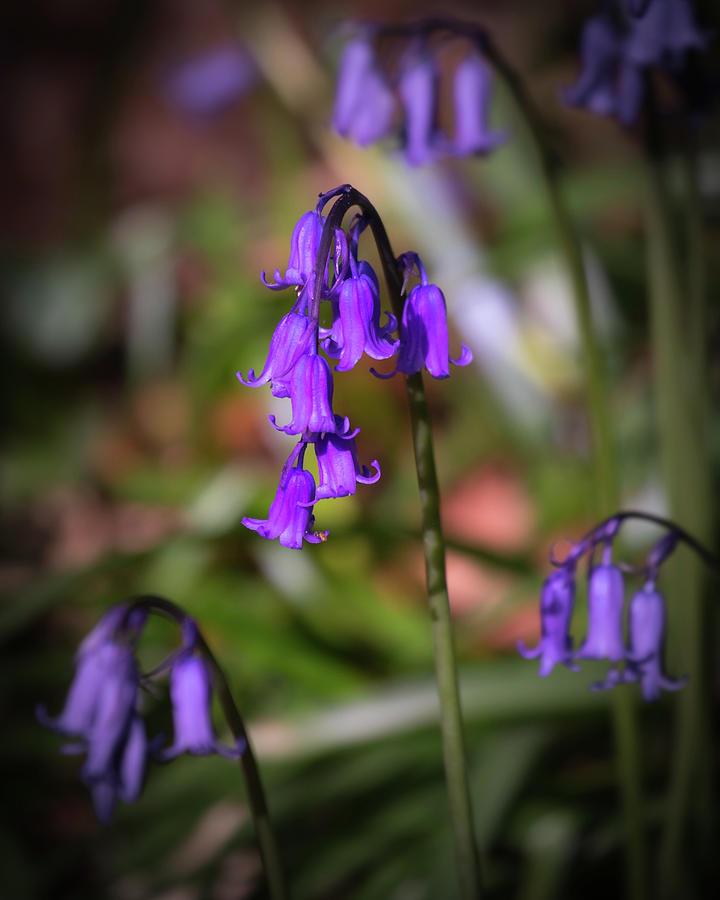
[445, 667]
[678, 337]
[606, 481]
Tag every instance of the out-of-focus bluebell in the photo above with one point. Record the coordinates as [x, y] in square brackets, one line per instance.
[364, 102]
[366, 106]
[557, 600]
[209, 82]
[617, 50]
[472, 94]
[606, 597]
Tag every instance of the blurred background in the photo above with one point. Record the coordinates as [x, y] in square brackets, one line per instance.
[156, 157]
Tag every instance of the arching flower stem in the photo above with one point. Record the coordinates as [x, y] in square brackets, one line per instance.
[277, 888]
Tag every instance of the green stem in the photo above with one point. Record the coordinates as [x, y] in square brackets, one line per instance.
[269, 853]
[445, 665]
[678, 342]
[606, 479]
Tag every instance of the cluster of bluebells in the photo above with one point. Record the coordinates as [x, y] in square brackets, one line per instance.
[103, 710]
[637, 658]
[623, 42]
[298, 366]
[374, 101]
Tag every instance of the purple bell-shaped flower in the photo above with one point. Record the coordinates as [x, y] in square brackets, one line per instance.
[311, 391]
[556, 607]
[356, 328]
[290, 517]
[338, 465]
[304, 245]
[471, 94]
[418, 88]
[646, 624]
[605, 615]
[664, 34]
[600, 51]
[292, 338]
[124, 777]
[424, 332]
[191, 694]
[364, 103]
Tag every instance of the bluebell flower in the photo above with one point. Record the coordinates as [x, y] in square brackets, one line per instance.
[210, 81]
[311, 391]
[364, 103]
[424, 331]
[471, 94]
[557, 600]
[664, 34]
[123, 777]
[601, 53]
[101, 710]
[644, 660]
[293, 337]
[616, 58]
[606, 596]
[418, 88]
[304, 245]
[356, 327]
[191, 695]
[290, 517]
[338, 465]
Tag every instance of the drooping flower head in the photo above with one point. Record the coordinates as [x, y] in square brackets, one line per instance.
[641, 658]
[103, 708]
[623, 42]
[368, 95]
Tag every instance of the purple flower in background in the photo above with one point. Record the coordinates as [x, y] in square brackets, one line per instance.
[418, 89]
[311, 393]
[304, 245]
[338, 465]
[190, 694]
[208, 82]
[556, 607]
[290, 517]
[616, 57]
[646, 647]
[471, 94]
[364, 103]
[101, 710]
[124, 777]
[605, 615]
[292, 338]
[600, 52]
[664, 34]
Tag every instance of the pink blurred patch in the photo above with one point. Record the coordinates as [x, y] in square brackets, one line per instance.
[490, 507]
[474, 587]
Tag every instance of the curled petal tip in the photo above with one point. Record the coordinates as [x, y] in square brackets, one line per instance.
[528, 653]
[385, 376]
[466, 357]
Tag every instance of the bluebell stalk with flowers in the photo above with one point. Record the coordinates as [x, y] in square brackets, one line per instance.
[640, 658]
[324, 268]
[103, 717]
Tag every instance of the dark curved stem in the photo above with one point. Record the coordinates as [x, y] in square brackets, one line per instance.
[277, 888]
